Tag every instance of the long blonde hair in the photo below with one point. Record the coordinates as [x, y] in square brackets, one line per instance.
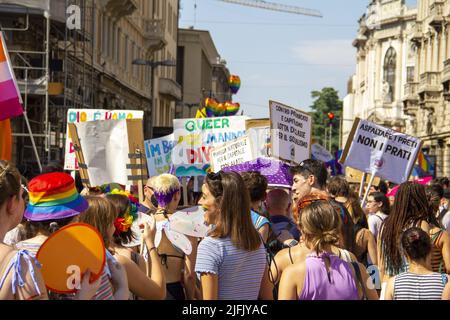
[321, 224]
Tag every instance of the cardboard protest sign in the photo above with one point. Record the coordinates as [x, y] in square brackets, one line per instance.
[159, 154]
[84, 115]
[231, 153]
[355, 176]
[68, 253]
[380, 151]
[292, 141]
[194, 139]
[112, 151]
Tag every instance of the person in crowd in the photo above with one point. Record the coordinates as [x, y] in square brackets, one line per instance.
[378, 207]
[311, 177]
[381, 187]
[440, 239]
[410, 209]
[146, 280]
[55, 203]
[323, 275]
[256, 185]
[445, 210]
[178, 267]
[231, 260]
[298, 253]
[20, 275]
[419, 282]
[278, 205]
[150, 201]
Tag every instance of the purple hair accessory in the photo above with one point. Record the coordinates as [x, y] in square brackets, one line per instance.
[165, 198]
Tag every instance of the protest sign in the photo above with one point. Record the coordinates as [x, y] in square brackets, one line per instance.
[194, 139]
[292, 141]
[356, 176]
[231, 153]
[111, 151]
[381, 151]
[320, 153]
[259, 132]
[159, 154]
[84, 115]
[62, 270]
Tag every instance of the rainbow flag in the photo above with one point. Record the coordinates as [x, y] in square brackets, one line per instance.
[10, 98]
[423, 163]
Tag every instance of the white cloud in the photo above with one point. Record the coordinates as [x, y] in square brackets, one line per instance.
[330, 53]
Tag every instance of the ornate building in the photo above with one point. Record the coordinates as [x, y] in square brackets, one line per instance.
[402, 76]
[384, 65]
[427, 95]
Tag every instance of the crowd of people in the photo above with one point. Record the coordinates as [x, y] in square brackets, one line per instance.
[313, 241]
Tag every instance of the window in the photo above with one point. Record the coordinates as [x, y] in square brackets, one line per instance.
[126, 62]
[105, 35]
[390, 65]
[410, 74]
[117, 46]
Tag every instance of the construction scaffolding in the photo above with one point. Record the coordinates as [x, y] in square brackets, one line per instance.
[54, 69]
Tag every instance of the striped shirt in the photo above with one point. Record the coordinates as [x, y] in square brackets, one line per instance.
[240, 272]
[437, 260]
[411, 286]
[104, 292]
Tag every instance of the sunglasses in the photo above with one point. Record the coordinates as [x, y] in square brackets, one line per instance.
[25, 192]
[307, 200]
[214, 176]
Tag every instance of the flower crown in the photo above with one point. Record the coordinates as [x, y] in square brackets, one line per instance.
[124, 223]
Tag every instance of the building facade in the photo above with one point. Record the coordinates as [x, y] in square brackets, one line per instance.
[91, 66]
[384, 64]
[201, 72]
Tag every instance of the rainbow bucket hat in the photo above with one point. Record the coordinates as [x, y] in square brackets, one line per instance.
[53, 196]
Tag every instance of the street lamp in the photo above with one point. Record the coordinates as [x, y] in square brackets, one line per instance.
[153, 65]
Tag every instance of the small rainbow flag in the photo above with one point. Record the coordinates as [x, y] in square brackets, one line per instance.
[10, 98]
[423, 163]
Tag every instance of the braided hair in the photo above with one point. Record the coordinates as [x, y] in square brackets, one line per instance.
[409, 209]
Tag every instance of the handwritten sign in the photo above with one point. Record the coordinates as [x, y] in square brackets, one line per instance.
[195, 138]
[232, 153]
[159, 154]
[291, 133]
[85, 115]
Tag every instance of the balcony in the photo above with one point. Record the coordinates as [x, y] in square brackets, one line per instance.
[430, 88]
[120, 8]
[170, 88]
[153, 32]
[411, 98]
[436, 13]
[418, 34]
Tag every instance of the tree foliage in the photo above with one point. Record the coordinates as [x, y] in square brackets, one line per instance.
[327, 100]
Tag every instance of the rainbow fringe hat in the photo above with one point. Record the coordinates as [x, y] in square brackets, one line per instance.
[53, 196]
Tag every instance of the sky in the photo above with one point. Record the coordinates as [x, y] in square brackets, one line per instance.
[281, 56]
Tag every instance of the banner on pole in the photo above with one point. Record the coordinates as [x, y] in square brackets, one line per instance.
[232, 153]
[84, 115]
[159, 154]
[381, 151]
[194, 139]
[291, 133]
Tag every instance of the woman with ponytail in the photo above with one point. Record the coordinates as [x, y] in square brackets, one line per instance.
[323, 275]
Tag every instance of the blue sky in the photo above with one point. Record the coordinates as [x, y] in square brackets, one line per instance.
[281, 56]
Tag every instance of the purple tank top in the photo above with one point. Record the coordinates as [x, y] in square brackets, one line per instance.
[339, 284]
